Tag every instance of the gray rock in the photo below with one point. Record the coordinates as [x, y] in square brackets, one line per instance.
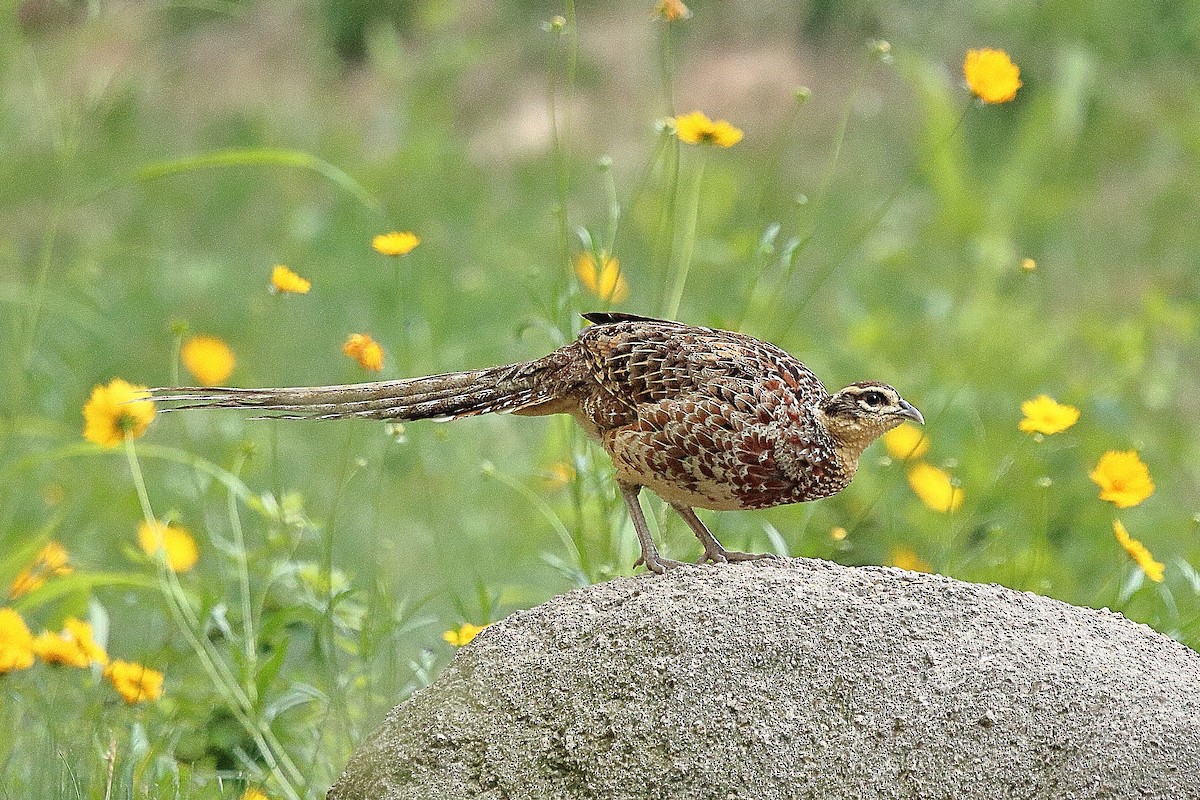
[797, 679]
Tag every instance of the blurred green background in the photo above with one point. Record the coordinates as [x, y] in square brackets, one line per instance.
[875, 231]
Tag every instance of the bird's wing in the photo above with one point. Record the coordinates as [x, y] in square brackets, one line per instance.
[643, 361]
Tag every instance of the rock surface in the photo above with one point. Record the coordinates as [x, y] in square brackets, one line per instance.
[797, 679]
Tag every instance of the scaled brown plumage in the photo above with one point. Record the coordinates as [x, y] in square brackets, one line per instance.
[705, 418]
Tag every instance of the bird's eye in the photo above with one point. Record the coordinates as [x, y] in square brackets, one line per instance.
[874, 399]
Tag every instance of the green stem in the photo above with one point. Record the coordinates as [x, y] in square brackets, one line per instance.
[666, 67]
[853, 242]
[614, 211]
[139, 482]
[249, 637]
[286, 774]
[346, 470]
[665, 234]
[775, 157]
[546, 511]
[559, 123]
[176, 350]
[683, 263]
[816, 204]
[39, 289]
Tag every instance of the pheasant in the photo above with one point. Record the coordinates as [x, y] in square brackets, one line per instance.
[704, 418]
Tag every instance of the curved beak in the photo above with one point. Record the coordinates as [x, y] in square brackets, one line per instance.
[909, 411]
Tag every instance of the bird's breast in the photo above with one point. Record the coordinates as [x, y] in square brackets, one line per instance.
[725, 453]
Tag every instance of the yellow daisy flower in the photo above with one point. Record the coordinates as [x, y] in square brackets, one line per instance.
[284, 281]
[1123, 478]
[1138, 552]
[697, 128]
[1028, 265]
[462, 635]
[208, 358]
[365, 350]
[52, 648]
[175, 540]
[254, 793]
[1044, 414]
[604, 280]
[396, 243]
[50, 561]
[109, 416]
[673, 10]
[134, 682]
[74, 646]
[991, 75]
[906, 558]
[16, 642]
[935, 488]
[906, 441]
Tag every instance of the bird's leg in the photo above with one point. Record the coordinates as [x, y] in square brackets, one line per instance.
[650, 557]
[713, 551]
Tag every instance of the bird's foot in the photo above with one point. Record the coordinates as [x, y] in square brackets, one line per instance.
[657, 564]
[719, 555]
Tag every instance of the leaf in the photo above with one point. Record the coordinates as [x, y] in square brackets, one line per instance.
[63, 585]
[259, 157]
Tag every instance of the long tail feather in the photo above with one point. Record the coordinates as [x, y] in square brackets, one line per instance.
[508, 388]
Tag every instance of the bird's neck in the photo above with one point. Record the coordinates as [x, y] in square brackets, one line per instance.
[818, 463]
[848, 438]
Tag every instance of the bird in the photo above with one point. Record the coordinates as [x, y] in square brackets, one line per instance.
[703, 417]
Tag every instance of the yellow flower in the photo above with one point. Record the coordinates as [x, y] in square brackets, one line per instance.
[838, 533]
[109, 416]
[51, 560]
[697, 128]
[396, 243]
[559, 475]
[1123, 479]
[285, 281]
[81, 633]
[463, 634]
[906, 558]
[604, 281]
[1138, 552]
[55, 649]
[935, 488]
[208, 358]
[906, 441]
[134, 682]
[991, 75]
[673, 10]
[254, 793]
[178, 544]
[365, 350]
[1028, 265]
[1044, 414]
[74, 647]
[16, 642]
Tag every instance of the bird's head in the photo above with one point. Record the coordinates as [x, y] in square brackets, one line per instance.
[861, 413]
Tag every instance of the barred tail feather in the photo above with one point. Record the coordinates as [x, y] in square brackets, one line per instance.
[513, 388]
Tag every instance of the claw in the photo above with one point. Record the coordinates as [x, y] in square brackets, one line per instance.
[657, 564]
[719, 555]
[714, 553]
[751, 556]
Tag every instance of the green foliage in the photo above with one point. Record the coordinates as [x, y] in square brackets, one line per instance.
[159, 161]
